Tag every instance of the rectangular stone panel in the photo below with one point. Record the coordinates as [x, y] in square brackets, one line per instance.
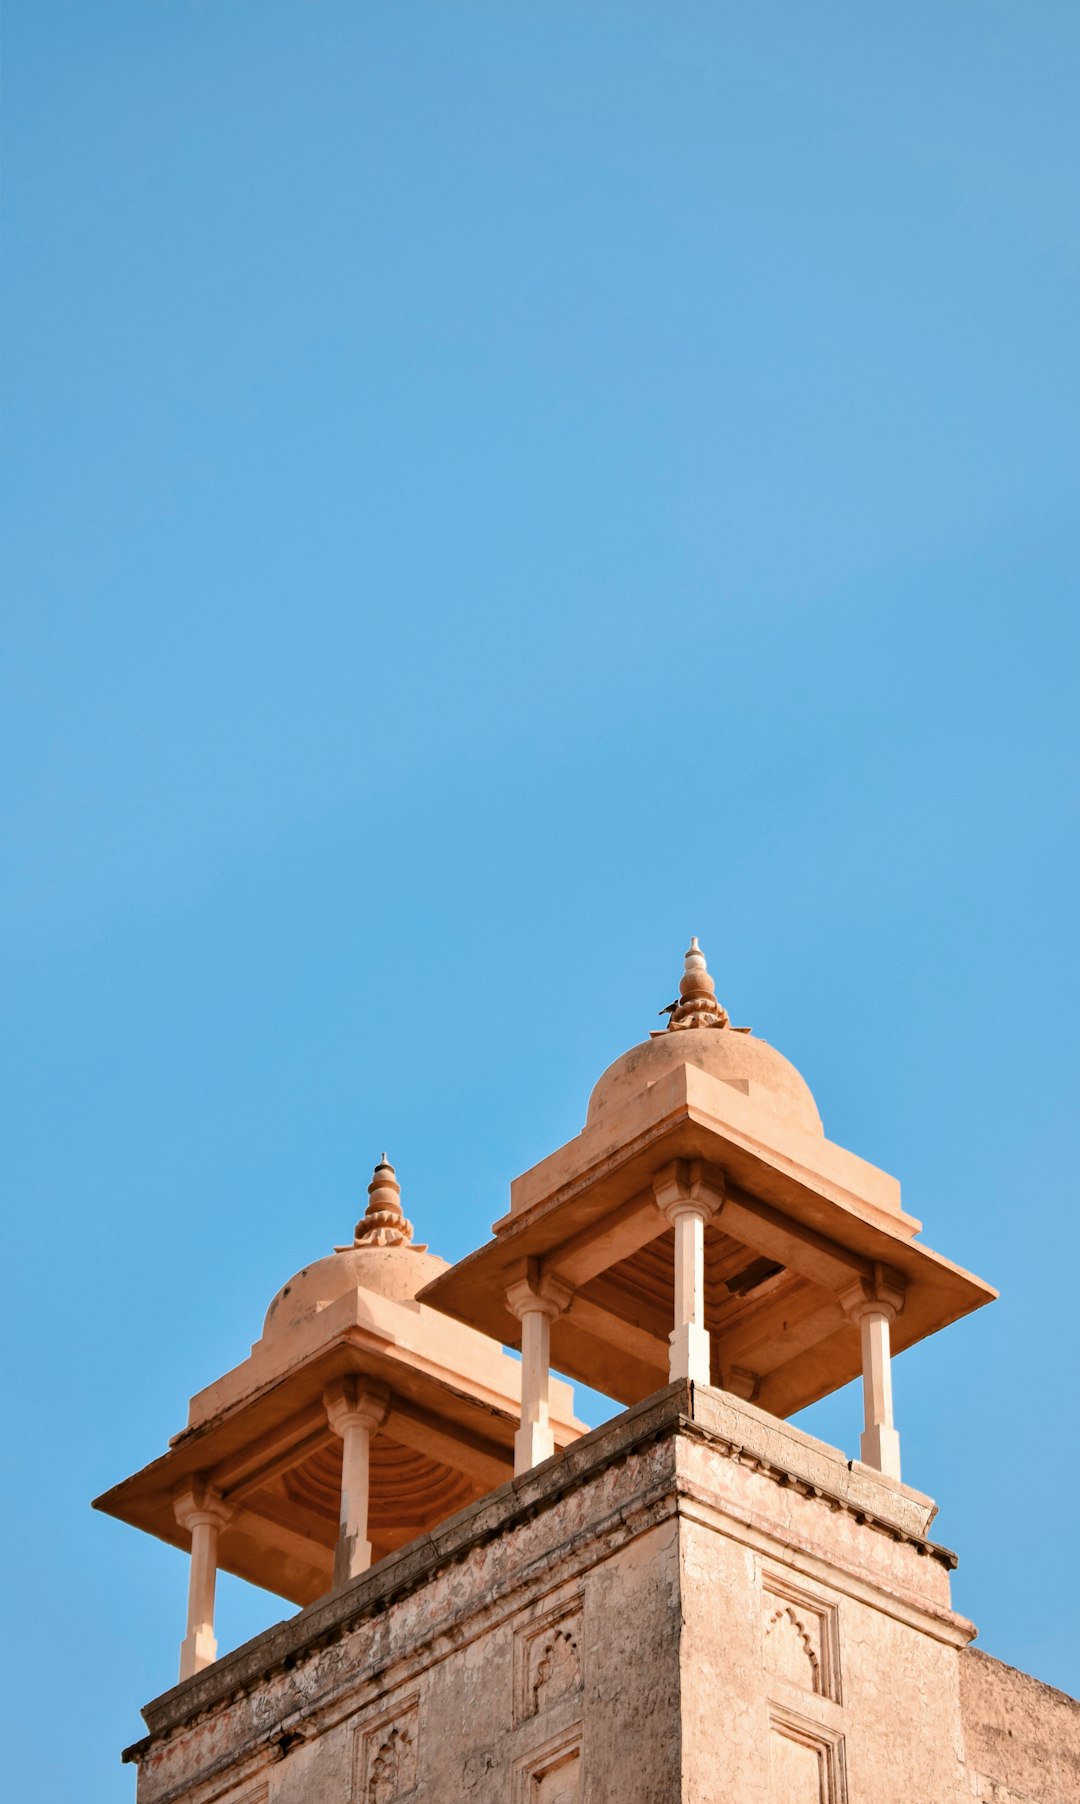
[547, 1660]
[387, 1756]
[806, 1763]
[552, 1774]
[800, 1637]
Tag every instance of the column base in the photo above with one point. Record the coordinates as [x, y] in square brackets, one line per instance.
[690, 1353]
[880, 1448]
[197, 1650]
[533, 1442]
[351, 1558]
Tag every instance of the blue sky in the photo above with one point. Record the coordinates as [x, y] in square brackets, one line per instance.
[493, 490]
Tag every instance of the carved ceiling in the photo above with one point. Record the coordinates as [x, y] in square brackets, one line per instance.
[409, 1490]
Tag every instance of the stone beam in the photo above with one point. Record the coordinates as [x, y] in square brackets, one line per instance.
[271, 1467]
[459, 1448]
[615, 1237]
[766, 1230]
[770, 1338]
[269, 1457]
[606, 1325]
[292, 1528]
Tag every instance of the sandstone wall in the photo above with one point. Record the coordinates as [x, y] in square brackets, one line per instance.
[491, 1682]
[819, 1652]
[1022, 1738]
[693, 1605]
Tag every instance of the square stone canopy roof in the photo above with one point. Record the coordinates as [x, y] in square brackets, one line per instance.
[801, 1221]
[260, 1435]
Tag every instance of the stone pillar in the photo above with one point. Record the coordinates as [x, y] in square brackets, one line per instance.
[355, 1407]
[536, 1305]
[874, 1303]
[204, 1513]
[688, 1202]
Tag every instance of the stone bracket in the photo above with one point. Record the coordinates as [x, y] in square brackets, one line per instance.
[882, 1293]
[683, 1186]
[355, 1402]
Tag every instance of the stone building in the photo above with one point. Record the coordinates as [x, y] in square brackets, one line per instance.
[697, 1603]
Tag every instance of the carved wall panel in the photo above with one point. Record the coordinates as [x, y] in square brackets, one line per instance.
[547, 1661]
[552, 1775]
[801, 1640]
[386, 1756]
[806, 1762]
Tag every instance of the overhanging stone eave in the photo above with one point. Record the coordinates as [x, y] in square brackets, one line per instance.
[144, 1499]
[473, 1290]
[351, 1345]
[689, 1130]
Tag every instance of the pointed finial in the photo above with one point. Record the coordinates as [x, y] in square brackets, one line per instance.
[383, 1222]
[697, 1005]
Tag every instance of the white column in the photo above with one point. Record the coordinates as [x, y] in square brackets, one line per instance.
[874, 1303]
[354, 1409]
[879, 1445]
[534, 1440]
[688, 1202]
[689, 1356]
[535, 1306]
[201, 1510]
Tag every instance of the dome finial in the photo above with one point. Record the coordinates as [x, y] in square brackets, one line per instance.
[697, 1005]
[383, 1222]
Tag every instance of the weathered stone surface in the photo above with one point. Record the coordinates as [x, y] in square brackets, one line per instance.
[813, 1462]
[1021, 1738]
[666, 1611]
[443, 1656]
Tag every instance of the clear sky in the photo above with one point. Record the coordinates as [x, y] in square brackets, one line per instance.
[493, 490]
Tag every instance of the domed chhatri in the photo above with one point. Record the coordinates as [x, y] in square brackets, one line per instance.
[361, 1419]
[702, 1226]
[735, 1056]
[700, 1230]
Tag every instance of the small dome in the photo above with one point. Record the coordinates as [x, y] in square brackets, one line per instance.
[382, 1260]
[699, 1032]
[738, 1058]
[397, 1272]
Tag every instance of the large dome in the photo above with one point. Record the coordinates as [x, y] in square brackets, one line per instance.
[387, 1271]
[748, 1064]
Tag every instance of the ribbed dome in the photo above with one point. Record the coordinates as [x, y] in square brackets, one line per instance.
[738, 1058]
[397, 1272]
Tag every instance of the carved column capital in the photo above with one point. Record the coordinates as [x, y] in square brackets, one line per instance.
[880, 1294]
[533, 1295]
[355, 1402]
[682, 1188]
[198, 1505]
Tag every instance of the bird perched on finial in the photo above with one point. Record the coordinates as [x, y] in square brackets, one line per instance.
[697, 1005]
